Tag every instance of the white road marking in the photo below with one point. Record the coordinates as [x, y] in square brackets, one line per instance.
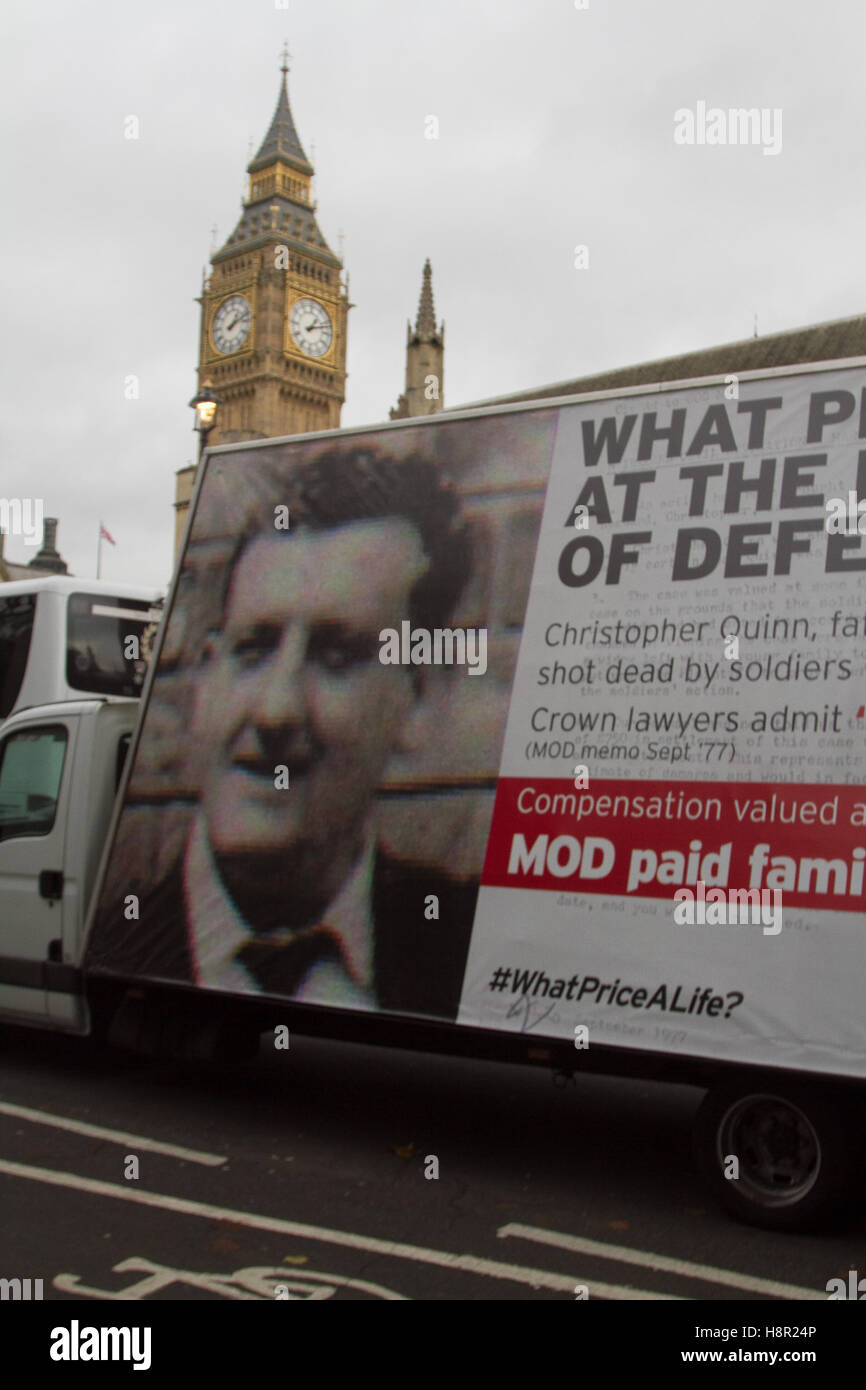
[115, 1136]
[261, 1281]
[730, 1278]
[444, 1259]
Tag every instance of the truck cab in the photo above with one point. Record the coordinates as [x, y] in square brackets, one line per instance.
[60, 765]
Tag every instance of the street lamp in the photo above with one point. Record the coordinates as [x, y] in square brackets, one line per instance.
[204, 403]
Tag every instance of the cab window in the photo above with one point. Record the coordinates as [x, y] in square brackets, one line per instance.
[16, 629]
[100, 657]
[31, 768]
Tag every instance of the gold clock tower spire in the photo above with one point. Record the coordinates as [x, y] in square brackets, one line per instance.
[274, 308]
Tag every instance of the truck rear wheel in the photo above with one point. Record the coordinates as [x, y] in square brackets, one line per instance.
[783, 1157]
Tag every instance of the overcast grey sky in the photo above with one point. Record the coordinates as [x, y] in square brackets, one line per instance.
[556, 128]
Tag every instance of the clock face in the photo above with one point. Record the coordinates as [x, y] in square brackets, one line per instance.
[311, 327]
[231, 325]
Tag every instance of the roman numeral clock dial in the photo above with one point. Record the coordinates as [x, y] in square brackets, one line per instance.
[231, 325]
[311, 328]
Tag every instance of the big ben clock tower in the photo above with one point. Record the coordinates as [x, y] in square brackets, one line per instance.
[274, 308]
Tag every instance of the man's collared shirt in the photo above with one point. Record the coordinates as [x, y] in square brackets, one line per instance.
[217, 932]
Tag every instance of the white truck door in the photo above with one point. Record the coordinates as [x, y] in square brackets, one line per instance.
[36, 763]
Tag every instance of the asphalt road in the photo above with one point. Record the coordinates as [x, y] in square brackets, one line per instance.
[302, 1175]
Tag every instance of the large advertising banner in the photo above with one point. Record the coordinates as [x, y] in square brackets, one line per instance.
[677, 859]
[548, 720]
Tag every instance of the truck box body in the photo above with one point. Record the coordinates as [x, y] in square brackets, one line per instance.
[542, 724]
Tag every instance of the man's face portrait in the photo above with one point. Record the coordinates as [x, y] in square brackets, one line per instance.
[319, 832]
[296, 680]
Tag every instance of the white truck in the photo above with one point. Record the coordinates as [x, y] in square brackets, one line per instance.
[535, 733]
[70, 650]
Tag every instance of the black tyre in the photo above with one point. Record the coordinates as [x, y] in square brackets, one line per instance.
[798, 1152]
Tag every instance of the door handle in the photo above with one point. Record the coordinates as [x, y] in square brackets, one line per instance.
[51, 884]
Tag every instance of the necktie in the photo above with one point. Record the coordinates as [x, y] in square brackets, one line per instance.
[280, 966]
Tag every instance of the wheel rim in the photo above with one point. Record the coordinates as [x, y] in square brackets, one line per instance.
[777, 1146]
